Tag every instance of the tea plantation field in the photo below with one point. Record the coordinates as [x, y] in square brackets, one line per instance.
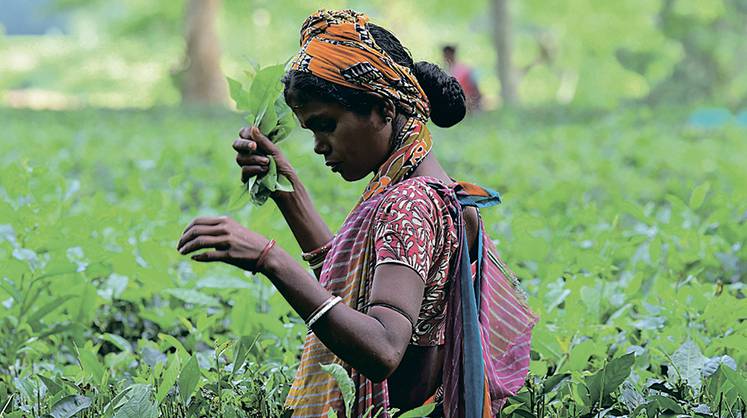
[628, 231]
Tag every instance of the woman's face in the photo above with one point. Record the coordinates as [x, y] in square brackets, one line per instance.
[352, 145]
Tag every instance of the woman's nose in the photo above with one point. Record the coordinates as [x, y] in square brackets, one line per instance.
[321, 146]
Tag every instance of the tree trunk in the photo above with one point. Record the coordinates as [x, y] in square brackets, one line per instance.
[202, 79]
[502, 40]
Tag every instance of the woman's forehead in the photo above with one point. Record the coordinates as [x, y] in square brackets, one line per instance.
[315, 108]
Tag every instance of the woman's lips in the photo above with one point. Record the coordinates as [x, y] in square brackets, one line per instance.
[334, 165]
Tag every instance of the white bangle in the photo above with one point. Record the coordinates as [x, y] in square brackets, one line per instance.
[323, 309]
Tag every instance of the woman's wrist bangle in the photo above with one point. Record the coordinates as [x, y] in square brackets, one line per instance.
[263, 254]
[319, 252]
[323, 309]
[316, 257]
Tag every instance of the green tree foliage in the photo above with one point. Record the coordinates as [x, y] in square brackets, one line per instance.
[578, 51]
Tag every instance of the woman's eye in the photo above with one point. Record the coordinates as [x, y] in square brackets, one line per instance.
[326, 126]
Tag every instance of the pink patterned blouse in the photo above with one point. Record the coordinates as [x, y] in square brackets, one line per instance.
[413, 228]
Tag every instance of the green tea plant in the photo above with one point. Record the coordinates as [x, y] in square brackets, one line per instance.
[627, 230]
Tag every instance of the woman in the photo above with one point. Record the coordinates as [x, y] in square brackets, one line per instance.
[395, 300]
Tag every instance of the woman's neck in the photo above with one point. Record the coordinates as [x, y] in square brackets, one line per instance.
[431, 167]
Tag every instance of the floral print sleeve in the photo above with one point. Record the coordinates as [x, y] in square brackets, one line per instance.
[405, 232]
[413, 227]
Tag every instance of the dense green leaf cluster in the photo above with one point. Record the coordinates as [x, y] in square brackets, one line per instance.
[266, 109]
[627, 230]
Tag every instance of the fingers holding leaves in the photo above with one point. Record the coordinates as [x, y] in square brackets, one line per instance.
[247, 160]
[244, 145]
[247, 172]
[272, 120]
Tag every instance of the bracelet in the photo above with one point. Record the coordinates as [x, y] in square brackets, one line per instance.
[323, 309]
[263, 254]
[316, 257]
[324, 249]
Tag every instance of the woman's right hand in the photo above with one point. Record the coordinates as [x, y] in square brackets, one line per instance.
[252, 149]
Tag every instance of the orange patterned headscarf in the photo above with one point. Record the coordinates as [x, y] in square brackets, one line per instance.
[337, 46]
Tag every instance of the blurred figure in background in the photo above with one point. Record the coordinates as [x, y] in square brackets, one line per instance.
[463, 73]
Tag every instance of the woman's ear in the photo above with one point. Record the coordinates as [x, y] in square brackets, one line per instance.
[387, 111]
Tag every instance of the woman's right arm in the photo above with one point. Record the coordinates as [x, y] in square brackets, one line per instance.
[308, 227]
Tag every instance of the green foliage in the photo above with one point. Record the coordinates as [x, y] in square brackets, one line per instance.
[267, 110]
[602, 383]
[188, 379]
[126, 53]
[69, 406]
[344, 382]
[627, 230]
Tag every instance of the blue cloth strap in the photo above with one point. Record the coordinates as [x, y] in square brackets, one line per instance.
[472, 361]
[472, 356]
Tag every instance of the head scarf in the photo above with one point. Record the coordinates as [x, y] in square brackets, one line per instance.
[337, 46]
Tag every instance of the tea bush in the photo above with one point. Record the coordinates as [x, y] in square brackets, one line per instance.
[627, 229]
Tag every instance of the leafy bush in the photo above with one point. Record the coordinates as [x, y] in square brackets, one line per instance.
[627, 229]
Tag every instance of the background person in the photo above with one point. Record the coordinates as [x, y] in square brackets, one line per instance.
[464, 74]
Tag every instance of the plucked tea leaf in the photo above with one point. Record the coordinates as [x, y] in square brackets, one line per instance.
[266, 109]
[285, 121]
[238, 94]
[265, 89]
[283, 184]
[271, 178]
[269, 120]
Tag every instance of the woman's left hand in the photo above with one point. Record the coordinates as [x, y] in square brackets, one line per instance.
[230, 241]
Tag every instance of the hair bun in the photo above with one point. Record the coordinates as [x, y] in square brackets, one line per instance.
[444, 93]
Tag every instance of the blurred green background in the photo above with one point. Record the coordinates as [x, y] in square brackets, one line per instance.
[132, 53]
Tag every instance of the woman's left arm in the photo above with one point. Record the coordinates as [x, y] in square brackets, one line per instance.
[372, 343]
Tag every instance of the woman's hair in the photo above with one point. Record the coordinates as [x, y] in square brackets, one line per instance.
[445, 95]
